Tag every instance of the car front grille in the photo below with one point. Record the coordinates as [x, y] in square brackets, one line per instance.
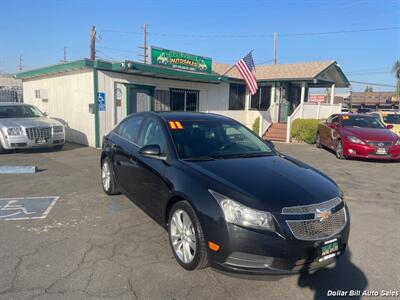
[310, 209]
[35, 133]
[380, 144]
[316, 229]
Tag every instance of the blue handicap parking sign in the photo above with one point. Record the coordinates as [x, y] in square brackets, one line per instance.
[26, 208]
[101, 101]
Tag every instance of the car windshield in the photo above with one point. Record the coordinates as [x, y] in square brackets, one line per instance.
[210, 139]
[361, 121]
[19, 111]
[392, 119]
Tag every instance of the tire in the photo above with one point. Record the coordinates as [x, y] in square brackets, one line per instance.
[2, 150]
[318, 141]
[107, 173]
[339, 150]
[194, 258]
[58, 147]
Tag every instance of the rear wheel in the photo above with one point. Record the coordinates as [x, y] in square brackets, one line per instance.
[186, 237]
[107, 178]
[339, 150]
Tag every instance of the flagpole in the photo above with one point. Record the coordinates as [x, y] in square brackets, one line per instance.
[227, 71]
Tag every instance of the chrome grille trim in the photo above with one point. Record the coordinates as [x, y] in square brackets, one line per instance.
[376, 144]
[36, 132]
[313, 229]
[310, 209]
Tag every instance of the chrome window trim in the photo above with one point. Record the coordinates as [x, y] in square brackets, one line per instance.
[316, 204]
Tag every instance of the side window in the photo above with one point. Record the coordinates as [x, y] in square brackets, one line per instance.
[130, 128]
[118, 130]
[335, 119]
[153, 135]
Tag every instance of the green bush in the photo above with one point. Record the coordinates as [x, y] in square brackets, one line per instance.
[305, 130]
[256, 125]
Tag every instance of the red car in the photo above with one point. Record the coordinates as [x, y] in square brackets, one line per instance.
[357, 135]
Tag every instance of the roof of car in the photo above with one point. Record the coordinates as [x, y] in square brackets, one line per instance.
[185, 116]
[12, 103]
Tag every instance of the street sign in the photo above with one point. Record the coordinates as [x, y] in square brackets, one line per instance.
[180, 60]
[25, 208]
[101, 101]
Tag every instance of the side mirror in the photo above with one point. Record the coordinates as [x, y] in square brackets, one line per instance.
[390, 126]
[151, 151]
[45, 114]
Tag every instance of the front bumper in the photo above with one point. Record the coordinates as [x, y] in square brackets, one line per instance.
[23, 142]
[370, 152]
[253, 252]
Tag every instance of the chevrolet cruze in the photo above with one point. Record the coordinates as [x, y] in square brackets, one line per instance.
[225, 196]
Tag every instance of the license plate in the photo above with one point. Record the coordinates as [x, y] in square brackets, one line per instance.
[329, 249]
[381, 151]
[40, 141]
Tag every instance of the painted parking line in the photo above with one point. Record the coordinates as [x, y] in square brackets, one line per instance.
[18, 169]
[26, 208]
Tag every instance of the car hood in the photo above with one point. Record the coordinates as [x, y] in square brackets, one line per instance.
[369, 134]
[267, 183]
[29, 122]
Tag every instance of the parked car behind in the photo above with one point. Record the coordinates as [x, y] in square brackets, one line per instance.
[25, 126]
[358, 135]
[364, 110]
[391, 119]
[226, 197]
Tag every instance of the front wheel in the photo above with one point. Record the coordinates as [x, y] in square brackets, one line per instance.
[339, 150]
[186, 237]
[107, 178]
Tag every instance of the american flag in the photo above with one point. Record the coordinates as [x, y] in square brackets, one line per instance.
[247, 69]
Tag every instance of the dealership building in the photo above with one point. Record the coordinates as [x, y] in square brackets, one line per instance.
[91, 96]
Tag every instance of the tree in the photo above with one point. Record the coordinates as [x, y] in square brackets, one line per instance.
[368, 89]
[396, 71]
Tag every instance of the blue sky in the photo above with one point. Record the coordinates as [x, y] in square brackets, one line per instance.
[223, 30]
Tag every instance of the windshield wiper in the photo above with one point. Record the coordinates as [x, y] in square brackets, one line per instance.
[199, 158]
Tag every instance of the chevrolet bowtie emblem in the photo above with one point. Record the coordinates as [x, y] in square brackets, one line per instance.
[322, 215]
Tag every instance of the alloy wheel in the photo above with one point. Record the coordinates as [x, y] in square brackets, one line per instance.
[339, 150]
[183, 236]
[106, 176]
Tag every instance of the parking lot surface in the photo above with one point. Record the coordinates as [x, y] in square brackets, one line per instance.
[92, 246]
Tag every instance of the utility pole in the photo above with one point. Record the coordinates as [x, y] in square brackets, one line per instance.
[144, 47]
[93, 43]
[275, 47]
[20, 67]
[65, 55]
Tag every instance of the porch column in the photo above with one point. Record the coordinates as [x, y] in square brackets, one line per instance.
[333, 93]
[303, 92]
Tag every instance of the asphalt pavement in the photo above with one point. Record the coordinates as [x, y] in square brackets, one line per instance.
[84, 244]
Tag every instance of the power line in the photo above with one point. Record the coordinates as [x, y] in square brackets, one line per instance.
[371, 83]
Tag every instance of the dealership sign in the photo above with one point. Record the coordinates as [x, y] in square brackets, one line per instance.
[317, 98]
[180, 60]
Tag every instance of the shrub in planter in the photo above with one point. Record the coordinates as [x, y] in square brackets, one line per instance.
[305, 130]
[256, 125]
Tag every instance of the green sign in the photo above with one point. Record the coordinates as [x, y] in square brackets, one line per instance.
[180, 60]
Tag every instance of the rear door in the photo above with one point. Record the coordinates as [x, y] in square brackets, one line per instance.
[126, 152]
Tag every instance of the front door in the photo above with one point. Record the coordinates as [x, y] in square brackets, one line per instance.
[283, 104]
[138, 100]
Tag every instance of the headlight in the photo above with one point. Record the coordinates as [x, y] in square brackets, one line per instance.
[355, 140]
[58, 128]
[239, 214]
[15, 131]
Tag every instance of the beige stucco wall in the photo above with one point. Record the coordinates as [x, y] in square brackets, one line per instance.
[69, 95]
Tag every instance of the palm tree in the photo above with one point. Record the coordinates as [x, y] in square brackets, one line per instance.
[396, 71]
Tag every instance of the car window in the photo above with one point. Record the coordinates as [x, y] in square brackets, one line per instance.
[19, 111]
[392, 119]
[362, 122]
[330, 119]
[152, 135]
[130, 129]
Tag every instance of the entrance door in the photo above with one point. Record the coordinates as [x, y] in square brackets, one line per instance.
[283, 105]
[138, 100]
[184, 100]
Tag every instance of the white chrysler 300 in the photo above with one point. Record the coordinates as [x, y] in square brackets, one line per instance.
[25, 126]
